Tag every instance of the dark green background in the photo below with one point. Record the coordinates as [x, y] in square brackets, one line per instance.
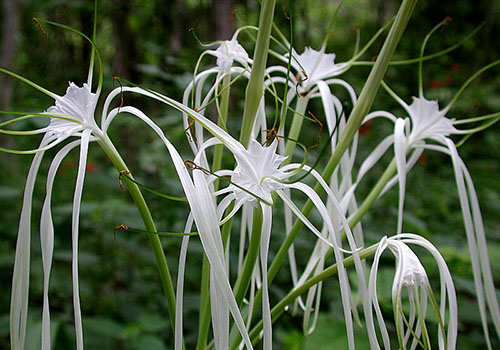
[149, 43]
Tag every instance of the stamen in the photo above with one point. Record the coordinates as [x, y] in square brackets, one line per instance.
[121, 91]
[319, 131]
[190, 165]
[191, 131]
[46, 36]
[284, 10]
[300, 81]
[119, 227]
[270, 133]
[123, 172]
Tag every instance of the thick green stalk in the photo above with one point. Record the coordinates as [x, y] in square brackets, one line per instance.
[243, 280]
[166, 280]
[298, 119]
[255, 87]
[279, 308]
[371, 86]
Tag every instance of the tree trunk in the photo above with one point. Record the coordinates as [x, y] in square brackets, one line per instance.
[8, 49]
[223, 14]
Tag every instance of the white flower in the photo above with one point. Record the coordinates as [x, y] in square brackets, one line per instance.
[428, 122]
[229, 51]
[257, 172]
[78, 103]
[72, 115]
[317, 65]
[411, 274]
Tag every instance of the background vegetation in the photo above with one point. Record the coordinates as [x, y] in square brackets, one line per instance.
[149, 42]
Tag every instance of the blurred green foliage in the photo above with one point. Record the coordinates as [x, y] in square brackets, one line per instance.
[123, 306]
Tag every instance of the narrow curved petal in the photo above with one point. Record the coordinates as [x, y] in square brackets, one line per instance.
[264, 252]
[47, 240]
[74, 226]
[179, 295]
[400, 155]
[20, 279]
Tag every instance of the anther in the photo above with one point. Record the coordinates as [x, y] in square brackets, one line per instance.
[123, 172]
[119, 227]
[46, 36]
[319, 132]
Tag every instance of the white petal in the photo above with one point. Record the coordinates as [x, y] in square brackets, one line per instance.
[20, 279]
[74, 226]
[47, 240]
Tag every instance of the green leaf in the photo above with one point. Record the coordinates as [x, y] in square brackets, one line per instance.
[149, 322]
[149, 342]
[103, 327]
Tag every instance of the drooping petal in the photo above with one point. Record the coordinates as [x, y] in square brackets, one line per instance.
[47, 240]
[179, 295]
[400, 155]
[477, 246]
[264, 252]
[74, 227]
[20, 279]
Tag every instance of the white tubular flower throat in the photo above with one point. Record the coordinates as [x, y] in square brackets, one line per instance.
[230, 51]
[317, 66]
[78, 103]
[410, 271]
[257, 172]
[428, 122]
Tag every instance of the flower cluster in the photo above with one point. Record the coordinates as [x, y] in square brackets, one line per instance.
[265, 177]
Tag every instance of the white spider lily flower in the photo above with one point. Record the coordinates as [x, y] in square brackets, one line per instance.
[198, 96]
[426, 122]
[255, 178]
[313, 66]
[245, 160]
[258, 173]
[430, 123]
[411, 276]
[230, 51]
[77, 107]
[79, 103]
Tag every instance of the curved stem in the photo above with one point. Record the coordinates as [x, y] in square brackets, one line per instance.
[278, 309]
[166, 280]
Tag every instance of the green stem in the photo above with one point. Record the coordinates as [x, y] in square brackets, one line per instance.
[296, 127]
[279, 308]
[243, 281]
[166, 280]
[255, 87]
